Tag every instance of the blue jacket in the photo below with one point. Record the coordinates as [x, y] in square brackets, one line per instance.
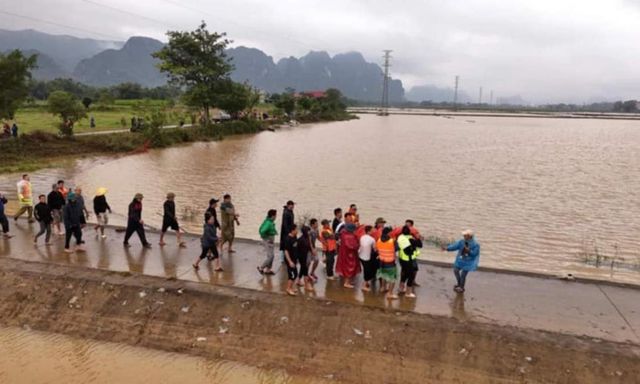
[467, 262]
[209, 236]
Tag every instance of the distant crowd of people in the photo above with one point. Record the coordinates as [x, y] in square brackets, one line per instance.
[9, 130]
[348, 247]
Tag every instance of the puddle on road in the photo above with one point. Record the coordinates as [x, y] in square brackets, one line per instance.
[39, 357]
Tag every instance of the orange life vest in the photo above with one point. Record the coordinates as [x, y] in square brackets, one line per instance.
[328, 240]
[386, 251]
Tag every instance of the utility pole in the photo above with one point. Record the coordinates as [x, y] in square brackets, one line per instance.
[480, 96]
[384, 105]
[491, 97]
[455, 94]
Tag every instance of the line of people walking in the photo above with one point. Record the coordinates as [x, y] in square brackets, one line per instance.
[348, 247]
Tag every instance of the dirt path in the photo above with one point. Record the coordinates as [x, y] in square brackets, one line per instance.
[321, 338]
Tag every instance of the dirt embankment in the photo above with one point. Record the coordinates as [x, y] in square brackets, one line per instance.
[349, 343]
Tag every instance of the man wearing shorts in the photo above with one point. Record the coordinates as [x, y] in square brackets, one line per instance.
[100, 207]
[169, 220]
[290, 251]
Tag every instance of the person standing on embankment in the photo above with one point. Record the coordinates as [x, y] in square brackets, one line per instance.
[169, 220]
[229, 219]
[466, 260]
[25, 198]
[3, 218]
[288, 222]
[268, 234]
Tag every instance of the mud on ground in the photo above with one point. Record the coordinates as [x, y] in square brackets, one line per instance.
[345, 342]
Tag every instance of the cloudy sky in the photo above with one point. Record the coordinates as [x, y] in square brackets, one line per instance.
[543, 50]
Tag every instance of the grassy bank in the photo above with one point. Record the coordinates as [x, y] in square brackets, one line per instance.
[40, 149]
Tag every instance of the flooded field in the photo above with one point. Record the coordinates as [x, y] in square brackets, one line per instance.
[547, 195]
[39, 357]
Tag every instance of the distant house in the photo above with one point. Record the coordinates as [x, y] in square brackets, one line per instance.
[313, 94]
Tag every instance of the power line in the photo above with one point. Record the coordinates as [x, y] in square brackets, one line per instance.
[161, 22]
[59, 25]
[261, 32]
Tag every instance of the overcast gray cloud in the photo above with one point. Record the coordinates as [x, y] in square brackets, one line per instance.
[543, 50]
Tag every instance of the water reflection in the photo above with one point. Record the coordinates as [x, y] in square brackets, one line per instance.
[535, 190]
[39, 358]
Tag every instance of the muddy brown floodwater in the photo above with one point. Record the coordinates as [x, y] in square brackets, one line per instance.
[542, 194]
[39, 357]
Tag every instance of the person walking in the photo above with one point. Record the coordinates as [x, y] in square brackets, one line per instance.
[170, 220]
[288, 221]
[387, 271]
[209, 242]
[83, 207]
[213, 203]
[56, 202]
[14, 130]
[290, 251]
[3, 218]
[329, 246]
[229, 219]
[268, 234]
[63, 190]
[312, 258]
[348, 266]
[368, 257]
[25, 198]
[100, 208]
[467, 258]
[408, 252]
[304, 247]
[135, 222]
[72, 217]
[42, 212]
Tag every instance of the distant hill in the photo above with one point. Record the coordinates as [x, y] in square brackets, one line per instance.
[435, 94]
[47, 68]
[348, 72]
[65, 50]
[104, 63]
[132, 63]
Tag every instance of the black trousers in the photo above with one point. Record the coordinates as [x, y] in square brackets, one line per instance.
[134, 226]
[304, 267]
[74, 231]
[205, 251]
[5, 223]
[369, 267]
[331, 259]
[409, 271]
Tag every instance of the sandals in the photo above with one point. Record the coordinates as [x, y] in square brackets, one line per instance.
[260, 270]
[195, 266]
[219, 269]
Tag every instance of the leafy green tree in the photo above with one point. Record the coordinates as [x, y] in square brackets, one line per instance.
[68, 107]
[196, 60]
[15, 73]
[237, 97]
[287, 103]
[86, 101]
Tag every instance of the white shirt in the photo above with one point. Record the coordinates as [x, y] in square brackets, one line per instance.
[366, 246]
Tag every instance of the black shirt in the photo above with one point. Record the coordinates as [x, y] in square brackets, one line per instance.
[291, 246]
[212, 212]
[55, 200]
[43, 213]
[100, 204]
[169, 210]
[335, 223]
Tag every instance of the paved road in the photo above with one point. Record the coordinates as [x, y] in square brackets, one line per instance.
[589, 309]
[93, 133]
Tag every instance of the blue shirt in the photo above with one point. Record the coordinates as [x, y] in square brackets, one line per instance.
[468, 262]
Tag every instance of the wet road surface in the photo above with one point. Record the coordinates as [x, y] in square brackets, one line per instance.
[589, 309]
